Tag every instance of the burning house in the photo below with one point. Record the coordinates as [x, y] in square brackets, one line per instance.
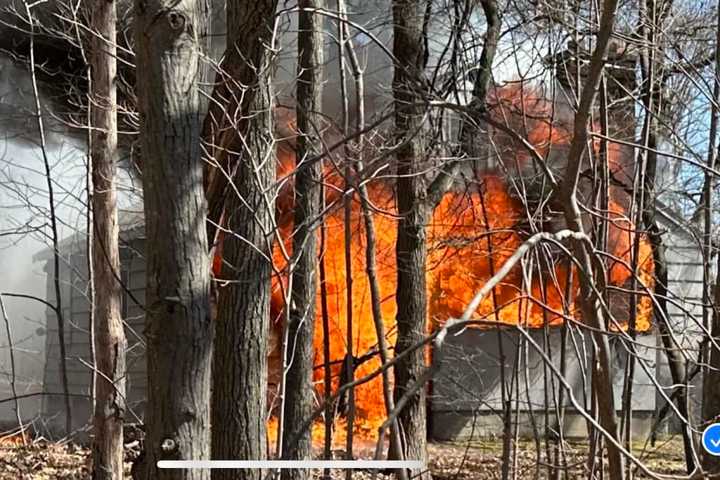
[530, 368]
[482, 368]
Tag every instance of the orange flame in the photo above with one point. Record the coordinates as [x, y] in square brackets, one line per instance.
[470, 236]
[459, 264]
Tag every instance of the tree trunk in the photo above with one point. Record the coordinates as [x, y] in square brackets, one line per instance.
[250, 29]
[54, 231]
[299, 392]
[652, 93]
[239, 397]
[711, 315]
[592, 311]
[178, 327]
[711, 380]
[109, 339]
[413, 208]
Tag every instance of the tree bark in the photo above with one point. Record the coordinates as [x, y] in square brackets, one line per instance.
[711, 314]
[592, 311]
[178, 325]
[250, 27]
[239, 398]
[651, 98]
[298, 404]
[414, 211]
[416, 201]
[711, 380]
[109, 335]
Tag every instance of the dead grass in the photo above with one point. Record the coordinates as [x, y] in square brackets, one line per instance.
[478, 460]
[44, 461]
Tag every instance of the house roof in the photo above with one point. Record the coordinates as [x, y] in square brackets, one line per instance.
[681, 225]
[131, 228]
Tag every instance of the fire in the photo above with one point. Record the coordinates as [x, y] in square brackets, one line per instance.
[471, 234]
[459, 263]
[370, 410]
[364, 433]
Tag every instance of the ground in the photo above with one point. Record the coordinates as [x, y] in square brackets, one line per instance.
[479, 460]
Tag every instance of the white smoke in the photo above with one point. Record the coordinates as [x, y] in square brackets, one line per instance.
[25, 231]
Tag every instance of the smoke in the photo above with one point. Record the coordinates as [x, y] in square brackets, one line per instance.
[24, 197]
[25, 235]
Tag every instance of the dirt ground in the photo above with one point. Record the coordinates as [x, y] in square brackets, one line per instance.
[479, 460]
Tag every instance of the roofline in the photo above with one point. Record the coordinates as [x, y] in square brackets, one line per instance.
[132, 227]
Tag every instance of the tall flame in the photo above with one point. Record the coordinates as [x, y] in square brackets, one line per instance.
[471, 234]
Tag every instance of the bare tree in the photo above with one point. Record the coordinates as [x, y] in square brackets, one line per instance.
[109, 335]
[653, 93]
[13, 372]
[416, 199]
[431, 74]
[179, 330]
[590, 303]
[409, 49]
[711, 311]
[243, 118]
[53, 217]
[299, 389]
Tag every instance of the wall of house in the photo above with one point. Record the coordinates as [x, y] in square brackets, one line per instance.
[685, 272]
[24, 223]
[466, 395]
[76, 312]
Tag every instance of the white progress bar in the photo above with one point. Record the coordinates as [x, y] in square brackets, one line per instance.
[299, 464]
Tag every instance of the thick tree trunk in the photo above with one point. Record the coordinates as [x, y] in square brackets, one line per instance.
[239, 397]
[250, 28]
[109, 336]
[178, 327]
[413, 208]
[240, 368]
[298, 404]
